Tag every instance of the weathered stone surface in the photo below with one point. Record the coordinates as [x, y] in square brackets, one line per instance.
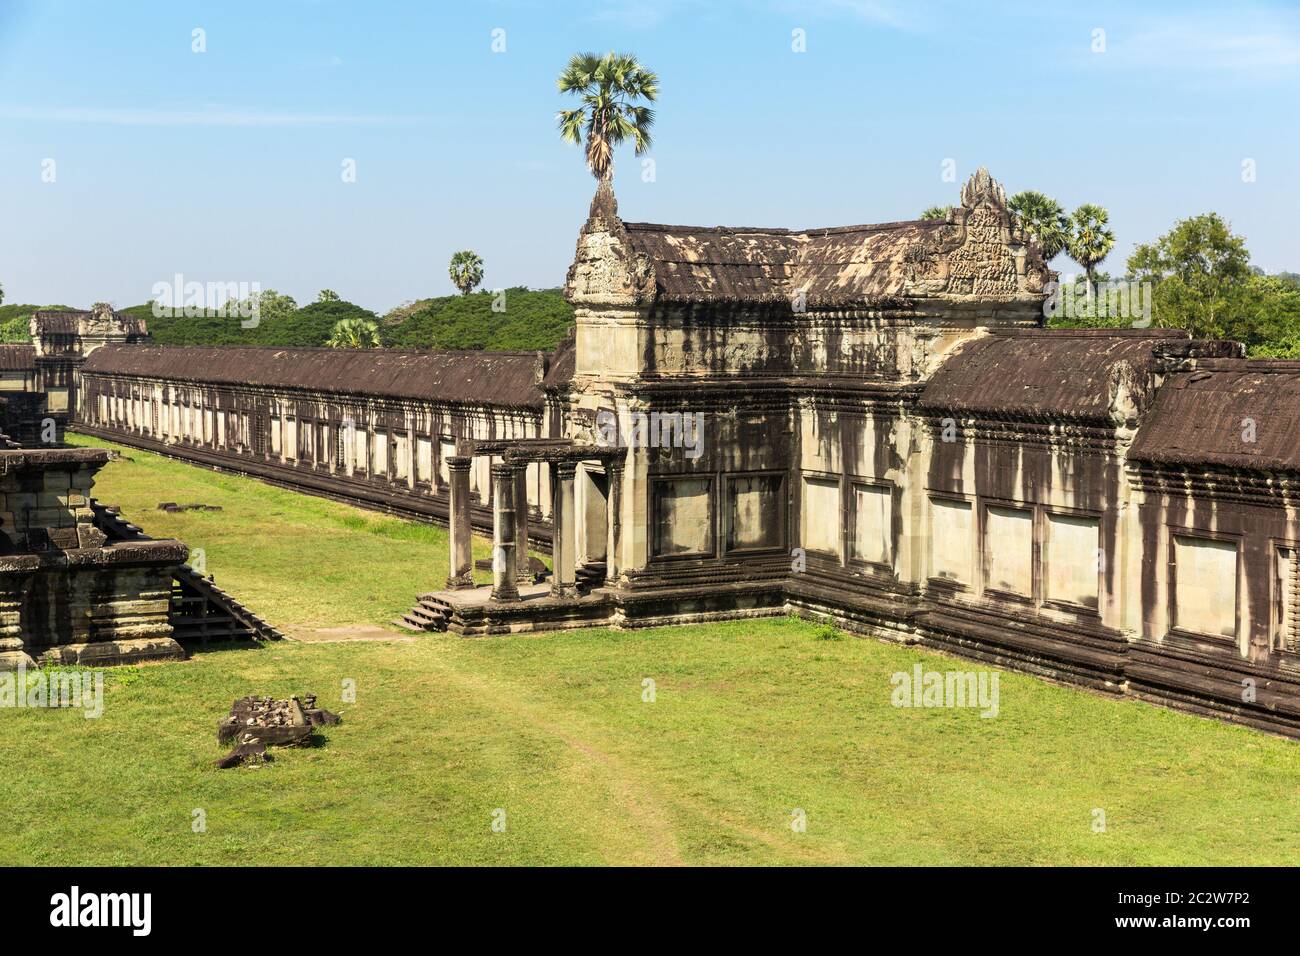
[890, 439]
[259, 722]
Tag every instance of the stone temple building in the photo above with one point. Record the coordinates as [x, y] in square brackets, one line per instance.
[78, 583]
[867, 424]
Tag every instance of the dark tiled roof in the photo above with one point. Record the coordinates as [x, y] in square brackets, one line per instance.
[1049, 373]
[492, 378]
[706, 264]
[977, 253]
[1206, 416]
[17, 358]
[69, 323]
[563, 362]
[846, 265]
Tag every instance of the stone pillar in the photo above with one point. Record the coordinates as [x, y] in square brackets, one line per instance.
[461, 569]
[504, 565]
[613, 520]
[13, 591]
[522, 574]
[564, 543]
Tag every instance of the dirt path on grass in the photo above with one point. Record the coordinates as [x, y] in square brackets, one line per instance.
[641, 805]
[644, 806]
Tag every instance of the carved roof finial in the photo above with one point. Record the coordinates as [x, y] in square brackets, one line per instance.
[982, 187]
[604, 206]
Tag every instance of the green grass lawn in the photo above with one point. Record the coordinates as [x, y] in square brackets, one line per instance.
[751, 721]
[299, 561]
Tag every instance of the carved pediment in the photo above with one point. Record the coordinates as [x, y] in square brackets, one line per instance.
[605, 270]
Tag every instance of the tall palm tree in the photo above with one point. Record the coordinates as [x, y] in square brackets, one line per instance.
[1044, 219]
[354, 334]
[466, 270]
[610, 87]
[1090, 241]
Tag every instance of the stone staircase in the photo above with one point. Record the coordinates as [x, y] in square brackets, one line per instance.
[588, 576]
[430, 613]
[201, 612]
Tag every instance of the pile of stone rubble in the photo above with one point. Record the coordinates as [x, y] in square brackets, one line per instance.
[256, 723]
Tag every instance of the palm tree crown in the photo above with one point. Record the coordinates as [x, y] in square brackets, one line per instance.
[609, 86]
[354, 334]
[1090, 241]
[1044, 219]
[466, 270]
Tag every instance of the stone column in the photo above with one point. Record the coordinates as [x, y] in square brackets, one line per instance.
[564, 543]
[504, 565]
[461, 569]
[522, 575]
[613, 520]
[13, 591]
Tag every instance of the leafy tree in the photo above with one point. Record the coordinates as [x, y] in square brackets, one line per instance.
[312, 325]
[327, 295]
[610, 87]
[936, 212]
[466, 270]
[1044, 219]
[270, 305]
[1264, 313]
[536, 319]
[1090, 241]
[354, 334]
[1200, 272]
[15, 330]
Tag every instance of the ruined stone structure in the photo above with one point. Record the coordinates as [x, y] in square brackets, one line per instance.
[70, 593]
[377, 428]
[78, 583]
[866, 424]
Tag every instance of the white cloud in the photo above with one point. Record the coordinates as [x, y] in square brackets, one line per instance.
[205, 117]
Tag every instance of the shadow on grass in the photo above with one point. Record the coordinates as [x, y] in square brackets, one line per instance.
[194, 650]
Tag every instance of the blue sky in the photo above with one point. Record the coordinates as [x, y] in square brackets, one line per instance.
[226, 165]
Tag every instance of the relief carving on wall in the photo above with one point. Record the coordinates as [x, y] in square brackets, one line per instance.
[604, 270]
[980, 251]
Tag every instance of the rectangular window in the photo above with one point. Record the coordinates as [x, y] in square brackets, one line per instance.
[1288, 600]
[379, 453]
[446, 449]
[423, 459]
[684, 522]
[1009, 550]
[362, 455]
[872, 524]
[1205, 586]
[308, 441]
[950, 540]
[755, 512]
[275, 436]
[1073, 559]
[291, 439]
[401, 456]
[821, 515]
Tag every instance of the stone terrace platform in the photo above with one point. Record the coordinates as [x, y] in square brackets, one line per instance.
[472, 612]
